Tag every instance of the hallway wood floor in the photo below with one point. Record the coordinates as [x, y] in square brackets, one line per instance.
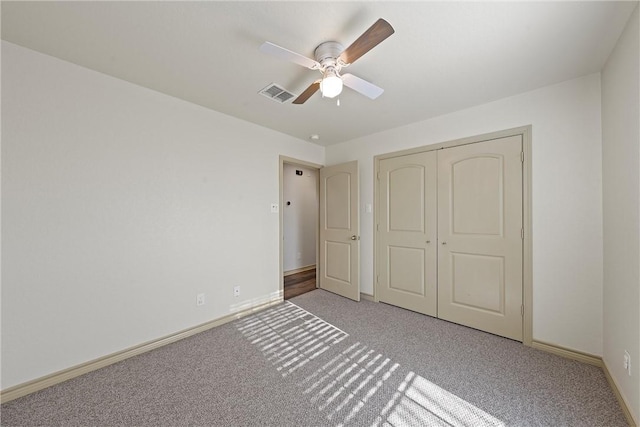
[299, 283]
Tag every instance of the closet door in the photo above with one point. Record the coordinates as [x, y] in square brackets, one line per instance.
[407, 232]
[479, 236]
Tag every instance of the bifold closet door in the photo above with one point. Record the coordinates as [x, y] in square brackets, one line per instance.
[407, 232]
[480, 236]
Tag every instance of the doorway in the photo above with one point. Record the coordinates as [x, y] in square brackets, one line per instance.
[337, 227]
[299, 201]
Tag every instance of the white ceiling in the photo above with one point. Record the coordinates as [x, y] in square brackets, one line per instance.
[443, 57]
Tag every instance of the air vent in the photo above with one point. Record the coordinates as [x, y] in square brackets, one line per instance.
[276, 93]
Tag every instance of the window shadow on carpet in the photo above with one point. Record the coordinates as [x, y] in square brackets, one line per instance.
[350, 383]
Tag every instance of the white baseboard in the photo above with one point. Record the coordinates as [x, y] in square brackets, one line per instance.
[616, 391]
[299, 270]
[591, 360]
[29, 387]
[568, 353]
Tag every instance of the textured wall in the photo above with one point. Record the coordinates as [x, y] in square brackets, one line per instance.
[119, 205]
[300, 218]
[621, 197]
[566, 193]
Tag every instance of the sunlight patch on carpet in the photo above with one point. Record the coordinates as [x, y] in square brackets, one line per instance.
[421, 402]
[347, 380]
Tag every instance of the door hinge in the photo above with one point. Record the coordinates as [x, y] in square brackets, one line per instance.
[522, 233]
[378, 278]
[522, 156]
[522, 310]
[377, 227]
[378, 175]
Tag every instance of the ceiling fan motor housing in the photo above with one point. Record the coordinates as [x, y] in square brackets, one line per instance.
[327, 54]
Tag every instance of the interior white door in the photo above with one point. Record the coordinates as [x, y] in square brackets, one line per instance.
[407, 239]
[340, 230]
[480, 236]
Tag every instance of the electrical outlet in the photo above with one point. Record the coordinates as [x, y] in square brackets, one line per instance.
[236, 291]
[627, 362]
[200, 299]
[275, 208]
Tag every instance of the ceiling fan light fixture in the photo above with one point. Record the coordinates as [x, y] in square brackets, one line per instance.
[331, 84]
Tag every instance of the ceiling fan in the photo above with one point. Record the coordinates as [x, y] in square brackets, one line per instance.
[331, 57]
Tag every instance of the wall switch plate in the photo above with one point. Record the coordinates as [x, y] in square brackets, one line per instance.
[200, 299]
[274, 208]
[236, 291]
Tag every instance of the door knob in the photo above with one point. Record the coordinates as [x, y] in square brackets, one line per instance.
[354, 237]
[444, 243]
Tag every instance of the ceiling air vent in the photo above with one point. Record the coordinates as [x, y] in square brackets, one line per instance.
[276, 93]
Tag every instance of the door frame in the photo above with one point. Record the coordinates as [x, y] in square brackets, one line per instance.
[527, 259]
[294, 162]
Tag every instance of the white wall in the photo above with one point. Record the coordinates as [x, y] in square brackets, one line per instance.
[621, 201]
[300, 218]
[119, 205]
[566, 198]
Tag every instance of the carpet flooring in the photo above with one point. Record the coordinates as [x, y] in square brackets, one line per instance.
[322, 360]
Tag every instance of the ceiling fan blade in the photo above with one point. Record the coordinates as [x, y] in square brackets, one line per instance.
[379, 31]
[287, 55]
[362, 86]
[307, 93]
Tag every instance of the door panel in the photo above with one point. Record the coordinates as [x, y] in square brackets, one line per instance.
[478, 281]
[406, 269]
[338, 201]
[477, 200]
[479, 234]
[339, 230]
[407, 232]
[338, 261]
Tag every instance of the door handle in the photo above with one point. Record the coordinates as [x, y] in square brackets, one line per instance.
[354, 237]
[444, 243]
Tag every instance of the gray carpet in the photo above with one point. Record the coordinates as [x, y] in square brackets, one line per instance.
[320, 360]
